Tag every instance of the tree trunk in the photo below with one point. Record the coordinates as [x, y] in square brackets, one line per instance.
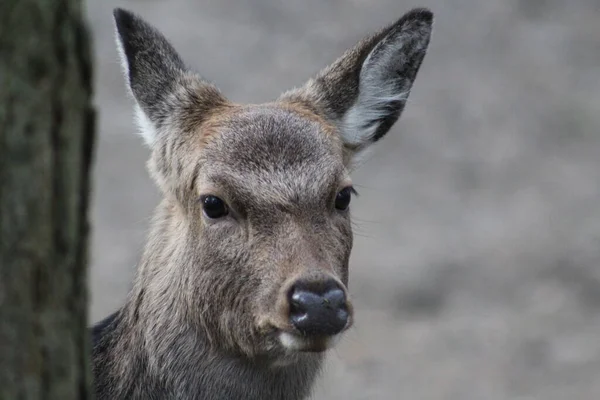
[46, 139]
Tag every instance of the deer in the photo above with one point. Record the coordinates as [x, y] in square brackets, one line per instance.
[243, 283]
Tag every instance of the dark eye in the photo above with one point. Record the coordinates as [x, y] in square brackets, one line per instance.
[214, 207]
[342, 200]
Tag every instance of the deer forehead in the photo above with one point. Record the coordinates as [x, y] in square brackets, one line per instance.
[272, 151]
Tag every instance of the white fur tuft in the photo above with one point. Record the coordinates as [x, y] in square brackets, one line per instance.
[145, 126]
[371, 105]
[291, 342]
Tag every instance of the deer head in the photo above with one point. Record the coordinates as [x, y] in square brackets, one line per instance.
[250, 246]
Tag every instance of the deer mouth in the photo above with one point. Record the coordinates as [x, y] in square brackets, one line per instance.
[294, 342]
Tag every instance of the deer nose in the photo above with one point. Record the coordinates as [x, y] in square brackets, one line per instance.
[318, 309]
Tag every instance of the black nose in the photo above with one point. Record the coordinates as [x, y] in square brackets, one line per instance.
[318, 309]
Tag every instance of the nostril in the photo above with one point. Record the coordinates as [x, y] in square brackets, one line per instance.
[335, 298]
[303, 301]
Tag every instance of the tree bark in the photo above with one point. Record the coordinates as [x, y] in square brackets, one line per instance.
[46, 140]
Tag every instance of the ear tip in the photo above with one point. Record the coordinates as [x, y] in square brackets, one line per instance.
[123, 18]
[120, 13]
[424, 15]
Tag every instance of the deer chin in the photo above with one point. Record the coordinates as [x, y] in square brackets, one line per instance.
[292, 342]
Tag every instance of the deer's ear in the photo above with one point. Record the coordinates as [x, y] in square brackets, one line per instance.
[364, 92]
[163, 88]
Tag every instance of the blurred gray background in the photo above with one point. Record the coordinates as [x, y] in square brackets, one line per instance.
[476, 268]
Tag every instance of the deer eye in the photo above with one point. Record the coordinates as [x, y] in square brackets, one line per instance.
[342, 199]
[214, 207]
